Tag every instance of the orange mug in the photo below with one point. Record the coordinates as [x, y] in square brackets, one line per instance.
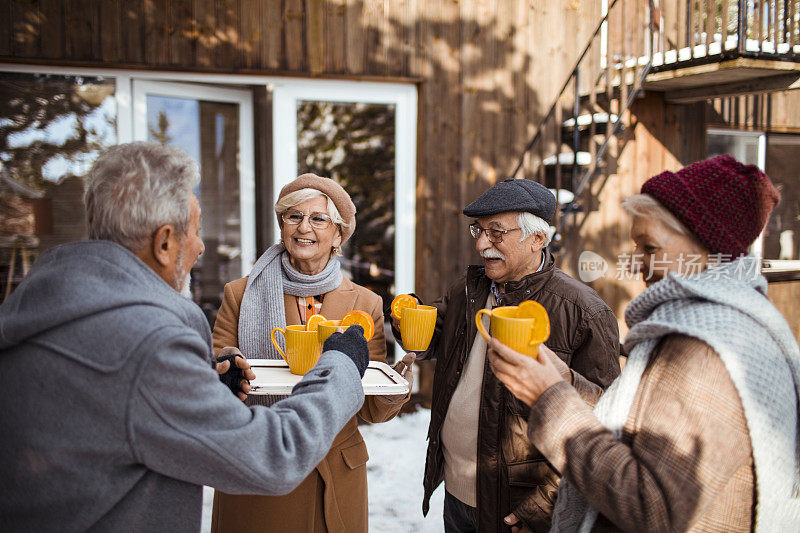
[327, 328]
[519, 334]
[302, 348]
[416, 327]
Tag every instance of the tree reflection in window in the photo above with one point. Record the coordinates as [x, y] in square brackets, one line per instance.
[354, 143]
[52, 128]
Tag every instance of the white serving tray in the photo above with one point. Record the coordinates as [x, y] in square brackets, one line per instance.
[273, 377]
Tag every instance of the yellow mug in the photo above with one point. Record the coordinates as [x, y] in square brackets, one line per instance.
[416, 327]
[519, 334]
[302, 348]
[327, 328]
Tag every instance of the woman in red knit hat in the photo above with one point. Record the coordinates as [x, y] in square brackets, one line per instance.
[700, 431]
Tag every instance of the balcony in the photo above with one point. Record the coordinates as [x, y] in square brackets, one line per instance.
[718, 48]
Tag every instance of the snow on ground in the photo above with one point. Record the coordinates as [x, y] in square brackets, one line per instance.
[394, 472]
[208, 501]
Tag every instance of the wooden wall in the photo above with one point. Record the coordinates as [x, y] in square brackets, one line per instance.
[487, 71]
[777, 112]
[785, 295]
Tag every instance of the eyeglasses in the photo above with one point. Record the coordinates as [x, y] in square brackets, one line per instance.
[494, 235]
[317, 220]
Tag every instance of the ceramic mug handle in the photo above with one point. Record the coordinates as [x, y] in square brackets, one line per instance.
[479, 323]
[534, 340]
[275, 342]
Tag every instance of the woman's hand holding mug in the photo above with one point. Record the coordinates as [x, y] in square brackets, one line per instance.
[526, 377]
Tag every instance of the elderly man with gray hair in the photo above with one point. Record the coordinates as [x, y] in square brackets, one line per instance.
[494, 477]
[113, 416]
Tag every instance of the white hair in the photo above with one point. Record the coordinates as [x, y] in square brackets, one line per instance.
[644, 205]
[300, 196]
[135, 188]
[530, 224]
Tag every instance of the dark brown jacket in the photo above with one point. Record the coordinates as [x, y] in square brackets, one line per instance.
[512, 475]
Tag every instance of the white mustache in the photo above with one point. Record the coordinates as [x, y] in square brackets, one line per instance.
[491, 253]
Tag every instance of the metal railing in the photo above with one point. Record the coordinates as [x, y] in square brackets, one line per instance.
[695, 31]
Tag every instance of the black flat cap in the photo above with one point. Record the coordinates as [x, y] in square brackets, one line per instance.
[514, 195]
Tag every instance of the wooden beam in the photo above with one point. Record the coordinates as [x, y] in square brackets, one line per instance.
[783, 82]
[743, 62]
[729, 71]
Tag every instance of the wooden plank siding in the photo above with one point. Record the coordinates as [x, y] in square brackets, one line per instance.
[133, 32]
[111, 38]
[775, 112]
[25, 17]
[482, 82]
[659, 137]
[785, 296]
[487, 72]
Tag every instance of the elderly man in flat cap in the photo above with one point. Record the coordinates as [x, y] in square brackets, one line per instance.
[494, 477]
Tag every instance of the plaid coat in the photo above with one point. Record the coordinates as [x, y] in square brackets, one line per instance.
[685, 460]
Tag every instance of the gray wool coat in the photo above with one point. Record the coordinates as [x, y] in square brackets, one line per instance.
[113, 417]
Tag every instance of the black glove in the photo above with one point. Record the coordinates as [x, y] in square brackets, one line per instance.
[352, 344]
[234, 376]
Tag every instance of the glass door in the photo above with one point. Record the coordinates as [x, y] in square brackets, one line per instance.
[364, 136]
[214, 125]
[782, 235]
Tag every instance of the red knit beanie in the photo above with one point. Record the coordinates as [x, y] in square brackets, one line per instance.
[723, 202]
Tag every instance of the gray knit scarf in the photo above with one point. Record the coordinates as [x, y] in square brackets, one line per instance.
[262, 304]
[725, 307]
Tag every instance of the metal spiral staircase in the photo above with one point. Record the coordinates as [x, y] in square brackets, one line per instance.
[575, 141]
[690, 50]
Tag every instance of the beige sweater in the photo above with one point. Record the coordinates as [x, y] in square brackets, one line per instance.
[460, 429]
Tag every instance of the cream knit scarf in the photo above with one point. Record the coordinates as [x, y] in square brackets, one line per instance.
[725, 307]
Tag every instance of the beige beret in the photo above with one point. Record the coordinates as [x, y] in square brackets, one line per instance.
[332, 190]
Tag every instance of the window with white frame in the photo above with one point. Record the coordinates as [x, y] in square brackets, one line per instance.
[52, 126]
[779, 243]
[362, 133]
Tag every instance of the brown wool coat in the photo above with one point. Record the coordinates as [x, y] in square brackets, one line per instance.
[685, 462]
[334, 496]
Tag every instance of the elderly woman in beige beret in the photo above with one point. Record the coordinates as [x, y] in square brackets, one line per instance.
[290, 282]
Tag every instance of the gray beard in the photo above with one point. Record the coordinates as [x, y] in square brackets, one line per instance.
[183, 280]
[186, 289]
